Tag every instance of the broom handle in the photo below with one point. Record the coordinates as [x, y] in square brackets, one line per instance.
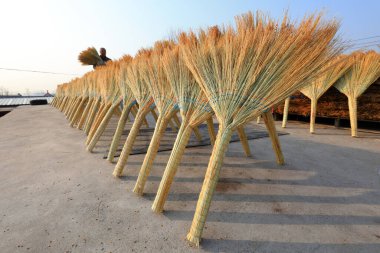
[78, 112]
[85, 113]
[172, 124]
[179, 146]
[154, 114]
[95, 126]
[161, 124]
[258, 119]
[69, 101]
[117, 111]
[95, 121]
[176, 120]
[62, 105]
[97, 116]
[94, 109]
[90, 111]
[353, 107]
[134, 111]
[285, 112]
[313, 114]
[74, 109]
[244, 141]
[127, 148]
[119, 131]
[69, 106]
[197, 133]
[271, 127]
[102, 127]
[210, 181]
[211, 130]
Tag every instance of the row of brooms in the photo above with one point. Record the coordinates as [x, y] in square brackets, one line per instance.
[233, 73]
[351, 75]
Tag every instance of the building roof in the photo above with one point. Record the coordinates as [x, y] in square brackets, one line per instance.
[19, 100]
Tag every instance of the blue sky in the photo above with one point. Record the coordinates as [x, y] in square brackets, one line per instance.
[48, 35]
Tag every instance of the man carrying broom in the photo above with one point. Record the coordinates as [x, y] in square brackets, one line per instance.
[91, 57]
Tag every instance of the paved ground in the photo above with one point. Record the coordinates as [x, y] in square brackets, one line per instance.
[56, 197]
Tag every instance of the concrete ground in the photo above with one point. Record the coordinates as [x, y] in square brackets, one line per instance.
[57, 197]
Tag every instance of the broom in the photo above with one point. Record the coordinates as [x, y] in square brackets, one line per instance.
[128, 103]
[244, 72]
[90, 57]
[152, 71]
[194, 110]
[364, 71]
[333, 71]
[84, 87]
[140, 90]
[91, 100]
[112, 99]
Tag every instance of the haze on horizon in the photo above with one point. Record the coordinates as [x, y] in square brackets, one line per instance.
[48, 35]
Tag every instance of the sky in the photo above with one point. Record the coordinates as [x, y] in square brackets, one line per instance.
[48, 35]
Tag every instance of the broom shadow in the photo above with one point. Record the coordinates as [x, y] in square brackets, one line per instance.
[228, 191]
[321, 179]
[284, 247]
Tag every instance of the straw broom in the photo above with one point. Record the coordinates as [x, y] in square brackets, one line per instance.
[104, 103]
[95, 105]
[77, 91]
[128, 103]
[90, 57]
[110, 95]
[113, 99]
[153, 73]
[245, 72]
[78, 100]
[194, 110]
[84, 99]
[58, 96]
[333, 71]
[64, 97]
[140, 90]
[91, 100]
[72, 98]
[364, 71]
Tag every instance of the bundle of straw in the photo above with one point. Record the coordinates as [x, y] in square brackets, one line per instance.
[364, 71]
[244, 72]
[90, 80]
[163, 96]
[140, 90]
[112, 98]
[84, 88]
[128, 103]
[194, 110]
[90, 57]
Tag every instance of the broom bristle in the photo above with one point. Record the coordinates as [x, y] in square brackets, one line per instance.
[244, 72]
[364, 71]
[90, 57]
[330, 74]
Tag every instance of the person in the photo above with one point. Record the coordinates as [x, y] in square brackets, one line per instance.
[103, 55]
